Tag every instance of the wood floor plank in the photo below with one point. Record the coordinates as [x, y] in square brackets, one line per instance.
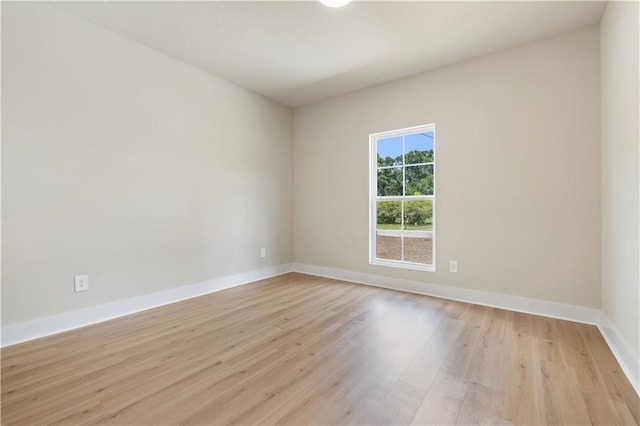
[523, 391]
[443, 403]
[299, 349]
[564, 402]
[482, 406]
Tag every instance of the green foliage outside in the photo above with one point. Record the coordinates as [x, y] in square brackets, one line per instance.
[417, 157]
[418, 214]
[419, 179]
[413, 157]
[390, 181]
[390, 212]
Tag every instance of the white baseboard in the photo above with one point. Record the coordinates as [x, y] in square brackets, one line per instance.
[496, 300]
[66, 321]
[628, 360]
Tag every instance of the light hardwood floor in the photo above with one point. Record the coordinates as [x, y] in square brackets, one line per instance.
[298, 349]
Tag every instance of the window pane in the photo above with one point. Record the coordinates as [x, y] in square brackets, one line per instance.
[389, 152]
[418, 235]
[418, 215]
[419, 180]
[418, 148]
[418, 248]
[390, 181]
[389, 230]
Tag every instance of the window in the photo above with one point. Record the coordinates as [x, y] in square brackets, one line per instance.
[402, 198]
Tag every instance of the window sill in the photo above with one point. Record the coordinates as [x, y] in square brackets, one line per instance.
[403, 265]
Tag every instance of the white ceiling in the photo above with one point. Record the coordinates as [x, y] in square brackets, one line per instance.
[299, 52]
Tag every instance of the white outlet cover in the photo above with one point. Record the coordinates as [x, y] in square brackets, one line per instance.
[453, 266]
[81, 283]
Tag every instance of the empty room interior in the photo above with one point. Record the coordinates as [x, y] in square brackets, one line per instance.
[320, 212]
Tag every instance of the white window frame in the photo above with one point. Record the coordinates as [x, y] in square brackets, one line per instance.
[374, 198]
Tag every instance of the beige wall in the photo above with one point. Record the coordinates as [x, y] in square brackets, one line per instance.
[120, 162]
[148, 174]
[620, 169]
[518, 170]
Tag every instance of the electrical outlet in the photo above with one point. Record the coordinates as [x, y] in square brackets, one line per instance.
[453, 266]
[263, 252]
[81, 283]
